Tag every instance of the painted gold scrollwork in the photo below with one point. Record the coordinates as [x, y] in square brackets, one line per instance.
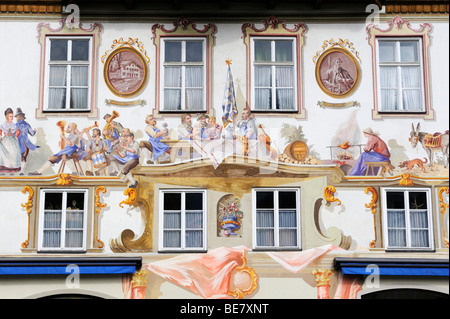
[251, 281]
[328, 194]
[98, 209]
[64, 179]
[131, 193]
[406, 180]
[443, 207]
[373, 209]
[28, 205]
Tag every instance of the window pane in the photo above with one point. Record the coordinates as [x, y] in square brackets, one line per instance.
[389, 100]
[194, 220]
[194, 238]
[395, 200]
[418, 200]
[263, 99]
[287, 200]
[264, 218]
[194, 51]
[285, 99]
[172, 51]
[194, 99]
[412, 100]
[58, 50]
[419, 219]
[58, 75]
[288, 218]
[56, 99]
[388, 77]
[419, 238]
[263, 76]
[172, 220]
[397, 238]
[172, 99]
[194, 77]
[283, 51]
[53, 201]
[52, 238]
[52, 219]
[410, 77]
[80, 50]
[409, 51]
[74, 239]
[285, 77]
[194, 201]
[387, 51]
[263, 50]
[172, 77]
[396, 218]
[172, 201]
[74, 219]
[80, 76]
[265, 237]
[172, 238]
[264, 200]
[288, 237]
[79, 99]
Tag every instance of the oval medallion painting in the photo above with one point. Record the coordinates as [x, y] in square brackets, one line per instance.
[125, 72]
[337, 72]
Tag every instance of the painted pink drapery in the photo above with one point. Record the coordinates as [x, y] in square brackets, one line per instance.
[208, 275]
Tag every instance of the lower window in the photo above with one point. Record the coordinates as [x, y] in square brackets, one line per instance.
[407, 219]
[182, 220]
[62, 220]
[276, 218]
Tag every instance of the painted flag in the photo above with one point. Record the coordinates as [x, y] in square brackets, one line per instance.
[229, 99]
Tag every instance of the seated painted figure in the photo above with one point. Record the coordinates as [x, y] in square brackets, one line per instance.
[375, 150]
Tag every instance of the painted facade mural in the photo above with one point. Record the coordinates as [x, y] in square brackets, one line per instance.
[237, 160]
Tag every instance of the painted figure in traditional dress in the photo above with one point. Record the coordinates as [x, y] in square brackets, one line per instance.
[215, 129]
[24, 142]
[112, 131]
[154, 144]
[185, 128]
[337, 80]
[247, 127]
[72, 144]
[375, 150]
[96, 145]
[10, 157]
[128, 159]
[201, 128]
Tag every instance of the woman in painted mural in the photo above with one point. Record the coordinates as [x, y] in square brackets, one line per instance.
[375, 150]
[10, 157]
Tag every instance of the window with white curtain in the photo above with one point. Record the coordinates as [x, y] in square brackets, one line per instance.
[62, 220]
[274, 76]
[68, 74]
[183, 74]
[407, 219]
[400, 75]
[182, 220]
[276, 218]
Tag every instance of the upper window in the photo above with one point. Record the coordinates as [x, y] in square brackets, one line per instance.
[407, 219]
[400, 69]
[68, 70]
[183, 75]
[182, 220]
[276, 218]
[68, 74]
[183, 66]
[274, 74]
[62, 220]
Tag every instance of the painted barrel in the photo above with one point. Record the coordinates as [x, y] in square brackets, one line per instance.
[296, 151]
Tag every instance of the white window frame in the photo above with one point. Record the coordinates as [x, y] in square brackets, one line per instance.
[183, 220]
[69, 63]
[408, 246]
[273, 64]
[399, 65]
[183, 64]
[63, 220]
[276, 219]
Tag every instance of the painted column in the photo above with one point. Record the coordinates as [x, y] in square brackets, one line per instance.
[323, 282]
[139, 284]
